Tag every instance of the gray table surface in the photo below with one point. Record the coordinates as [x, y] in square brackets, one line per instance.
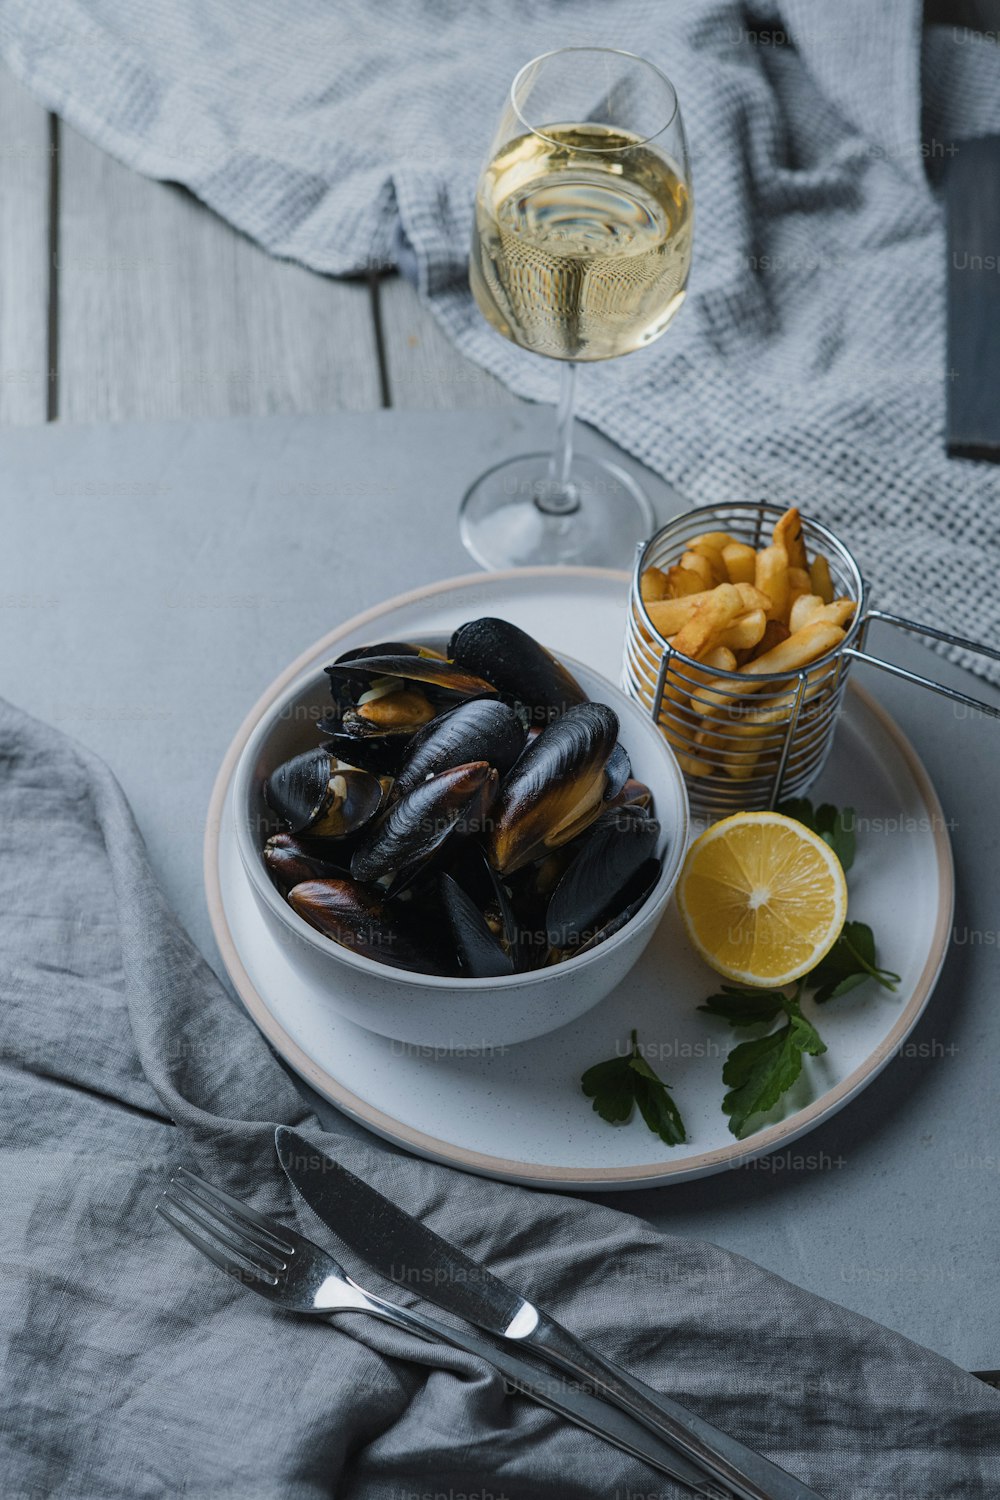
[155, 577]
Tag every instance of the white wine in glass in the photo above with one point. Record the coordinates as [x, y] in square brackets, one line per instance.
[581, 251]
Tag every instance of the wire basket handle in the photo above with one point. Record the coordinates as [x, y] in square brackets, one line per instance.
[976, 647]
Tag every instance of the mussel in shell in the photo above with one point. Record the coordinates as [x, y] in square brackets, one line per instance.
[483, 729]
[290, 861]
[556, 788]
[522, 671]
[384, 694]
[416, 826]
[596, 883]
[355, 918]
[313, 792]
[639, 890]
[481, 952]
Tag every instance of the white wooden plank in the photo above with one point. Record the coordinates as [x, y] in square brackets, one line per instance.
[166, 311]
[24, 255]
[423, 368]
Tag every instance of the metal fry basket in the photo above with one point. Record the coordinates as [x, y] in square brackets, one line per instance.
[744, 742]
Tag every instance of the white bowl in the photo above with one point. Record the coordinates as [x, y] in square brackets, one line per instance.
[424, 1009]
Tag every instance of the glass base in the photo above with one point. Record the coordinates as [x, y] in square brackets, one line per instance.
[511, 517]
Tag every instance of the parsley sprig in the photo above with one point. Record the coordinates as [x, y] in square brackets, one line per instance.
[850, 961]
[758, 1072]
[627, 1081]
[835, 826]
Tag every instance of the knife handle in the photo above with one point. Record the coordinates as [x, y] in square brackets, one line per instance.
[578, 1406]
[742, 1470]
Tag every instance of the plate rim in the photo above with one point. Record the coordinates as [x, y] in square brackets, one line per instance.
[650, 1174]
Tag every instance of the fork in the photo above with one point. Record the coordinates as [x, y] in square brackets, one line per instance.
[300, 1277]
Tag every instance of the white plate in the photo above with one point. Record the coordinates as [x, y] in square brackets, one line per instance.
[518, 1113]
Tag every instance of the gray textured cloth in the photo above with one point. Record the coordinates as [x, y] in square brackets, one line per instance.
[133, 1370]
[809, 364]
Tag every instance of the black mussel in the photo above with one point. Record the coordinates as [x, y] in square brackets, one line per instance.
[348, 687]
[357, 919]
[595, 885]
[556, 788]
[384, 684]
[291, 861]
[619, 769]
[468, 867]
[522, 671]
[482, 729]
[311, 792]
[415, 827]
[635, 897]
[634, 794]
[481, 955]
[366, 747]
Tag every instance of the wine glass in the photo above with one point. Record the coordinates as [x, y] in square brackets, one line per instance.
[580, 251]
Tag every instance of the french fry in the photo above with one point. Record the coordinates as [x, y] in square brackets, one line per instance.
[720, 657]
[654, 585]
[790, 655]
[716, 539]
[753, 598]
[741, 562]
[745, 632]
[799, 581]
[719, 608]
[802, 611]
[700, 565]
[822, 583]
[669, 615]
[681, 581]
[788, 534]
[837, 613]
[713, 557]
[771, 578]
[797, 651]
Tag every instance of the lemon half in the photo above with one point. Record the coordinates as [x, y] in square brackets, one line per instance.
[763, 898]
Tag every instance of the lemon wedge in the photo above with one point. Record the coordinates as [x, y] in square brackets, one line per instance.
[763, 898]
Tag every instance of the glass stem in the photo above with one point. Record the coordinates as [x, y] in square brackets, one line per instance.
[558, 495]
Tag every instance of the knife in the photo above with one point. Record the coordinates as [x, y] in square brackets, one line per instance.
[406, 1252]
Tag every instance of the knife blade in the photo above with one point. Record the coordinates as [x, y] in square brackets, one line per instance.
[408, 1253]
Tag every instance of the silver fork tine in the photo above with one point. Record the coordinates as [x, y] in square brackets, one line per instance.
[236, 1209]
[246, 1272]
[262, 1258]
[265, 1243]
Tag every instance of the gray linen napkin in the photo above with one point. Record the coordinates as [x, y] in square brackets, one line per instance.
[809, 365]
[132, 1369]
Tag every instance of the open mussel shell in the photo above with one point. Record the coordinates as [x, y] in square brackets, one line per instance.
[556, 788]
[355, 674]
[522, 671]
[481, 955]
[596, 883]
[415, 826]
[290, 861]
[483, 729]
[311, 792]
[378, 751]
[634, 794]
[356, 919]
[639, 890]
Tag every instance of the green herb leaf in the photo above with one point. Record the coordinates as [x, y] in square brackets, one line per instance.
[745, 1007]
[835, 826]
[759, 1072]
[850, 961]
[622, 1083]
